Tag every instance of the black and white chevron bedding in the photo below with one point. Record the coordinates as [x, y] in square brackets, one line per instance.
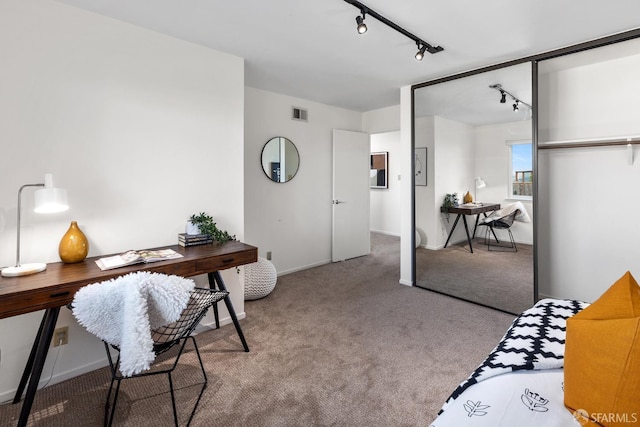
[534, 341]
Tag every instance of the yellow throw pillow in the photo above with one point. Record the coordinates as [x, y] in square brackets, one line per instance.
[602, 357]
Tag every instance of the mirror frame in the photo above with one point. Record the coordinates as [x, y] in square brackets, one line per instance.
[534, 142]
[288, 144]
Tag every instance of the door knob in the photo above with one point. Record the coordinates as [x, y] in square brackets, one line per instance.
[337, 202]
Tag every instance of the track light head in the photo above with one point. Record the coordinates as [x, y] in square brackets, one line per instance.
[362, 27]
[503, 97]
[421, 50]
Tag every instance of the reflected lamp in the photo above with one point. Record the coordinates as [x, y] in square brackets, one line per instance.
[48, 199]
[479, 184]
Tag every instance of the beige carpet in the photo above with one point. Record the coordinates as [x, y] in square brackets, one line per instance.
[502, 279]
[337, 345]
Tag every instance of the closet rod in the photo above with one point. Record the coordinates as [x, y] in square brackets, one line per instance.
[602, 143]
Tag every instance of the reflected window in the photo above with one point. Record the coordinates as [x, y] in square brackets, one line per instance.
[520, 170]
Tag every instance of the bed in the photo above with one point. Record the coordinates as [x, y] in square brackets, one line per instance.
[557, 355]
[520, 383]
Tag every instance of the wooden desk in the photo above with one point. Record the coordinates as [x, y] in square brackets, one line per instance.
[463, 211]
[56, 286]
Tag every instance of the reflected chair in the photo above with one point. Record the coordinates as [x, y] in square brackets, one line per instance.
[492, 224]
[175, 334]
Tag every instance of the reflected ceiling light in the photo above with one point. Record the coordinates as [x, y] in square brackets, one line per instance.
[362, 28]
[503, 97]
[420, 52]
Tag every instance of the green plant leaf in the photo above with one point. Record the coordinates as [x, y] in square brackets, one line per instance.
[205, 223]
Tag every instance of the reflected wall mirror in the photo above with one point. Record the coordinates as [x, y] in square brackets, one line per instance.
[470, 128]
[280, 159]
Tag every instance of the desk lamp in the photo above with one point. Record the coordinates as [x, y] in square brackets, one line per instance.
[46, 200]
[479, 184]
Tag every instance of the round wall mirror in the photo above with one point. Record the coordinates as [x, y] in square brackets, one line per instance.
[280, 159]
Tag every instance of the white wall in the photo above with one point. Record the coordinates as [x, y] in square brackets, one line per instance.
[293, 219]
[427, 219]
[450, 169]
[492, 163]
[141, 129]
[385, 202]
[588, 197]
[454, 157]
[381, 120]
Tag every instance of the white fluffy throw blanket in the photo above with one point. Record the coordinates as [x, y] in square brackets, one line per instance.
[124, 310]
[521, 216]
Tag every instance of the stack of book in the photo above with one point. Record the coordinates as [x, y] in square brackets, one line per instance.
[194, 239]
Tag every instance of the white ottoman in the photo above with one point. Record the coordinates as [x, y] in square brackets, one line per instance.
[259, 279]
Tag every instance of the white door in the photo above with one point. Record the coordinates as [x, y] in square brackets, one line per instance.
[351, 151]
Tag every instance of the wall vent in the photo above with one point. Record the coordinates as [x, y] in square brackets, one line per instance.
[299, 114]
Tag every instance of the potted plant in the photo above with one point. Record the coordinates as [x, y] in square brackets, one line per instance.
[206, 225]
[450, 201]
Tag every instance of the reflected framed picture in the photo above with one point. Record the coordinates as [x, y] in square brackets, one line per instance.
[421, 165]
[379, 170]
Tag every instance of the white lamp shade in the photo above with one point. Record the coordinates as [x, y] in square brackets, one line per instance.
[46, 200]
[480, 183]
[50, 200]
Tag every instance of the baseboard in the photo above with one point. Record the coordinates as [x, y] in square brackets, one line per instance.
[405, 282]
[59, 377]
[388, 233]
[305, 267]
[204, 327]
[543, 296]
[433, 248]
[438, 247]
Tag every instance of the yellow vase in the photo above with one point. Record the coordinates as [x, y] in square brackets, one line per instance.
[74, 245]
[468, 198]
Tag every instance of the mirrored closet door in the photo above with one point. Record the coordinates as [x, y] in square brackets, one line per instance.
[477, 131]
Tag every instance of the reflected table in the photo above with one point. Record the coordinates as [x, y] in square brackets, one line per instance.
[470, 209]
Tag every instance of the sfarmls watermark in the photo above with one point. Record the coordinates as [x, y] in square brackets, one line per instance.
[602, 417]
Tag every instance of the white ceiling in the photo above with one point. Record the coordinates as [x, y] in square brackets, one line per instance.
[310, 49]
[470, 99]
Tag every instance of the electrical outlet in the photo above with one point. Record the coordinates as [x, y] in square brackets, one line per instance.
[61, 336]
[269, 255]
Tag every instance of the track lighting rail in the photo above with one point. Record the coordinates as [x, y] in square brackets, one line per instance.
[365, 10]
[504, 92]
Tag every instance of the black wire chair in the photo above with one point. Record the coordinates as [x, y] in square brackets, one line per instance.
[501, 223]
[165, 338]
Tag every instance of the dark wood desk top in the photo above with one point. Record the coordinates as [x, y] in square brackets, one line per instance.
[475, 209]
[56, 286]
